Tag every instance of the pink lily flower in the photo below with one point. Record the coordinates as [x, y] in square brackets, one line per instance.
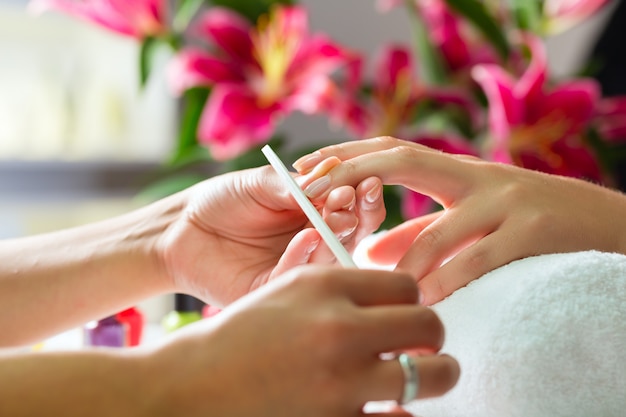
[137, 18]
[395, 94]
[258, 75]
[610, 119]
[561, 15]
[460, 45]
[394, 99]
[537, 127]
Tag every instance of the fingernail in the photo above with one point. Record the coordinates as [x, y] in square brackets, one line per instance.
[420, 298]
[350, 205]
[312, 246]
[373, 195]
[318, 187]
[347, 232]
[305, 163]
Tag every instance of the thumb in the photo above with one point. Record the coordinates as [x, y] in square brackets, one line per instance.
[298, 251]
[391, 246]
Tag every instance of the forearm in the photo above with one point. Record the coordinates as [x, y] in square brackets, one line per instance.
[53, 282]
[86, 383]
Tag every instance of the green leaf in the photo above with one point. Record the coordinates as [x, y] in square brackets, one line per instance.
[187, 9]
[147, 53]
[527, 14]
[193, 103]
[392, 196]
[251, 9]
[432, 69]
[253, 157]
[192, 154]
[475, 12]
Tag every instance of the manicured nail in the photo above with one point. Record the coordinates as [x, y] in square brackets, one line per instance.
[318, 187]
[373, 195]
[312, 246]
[420, 298]
[341, 236]
[307, 162]
[350, 206]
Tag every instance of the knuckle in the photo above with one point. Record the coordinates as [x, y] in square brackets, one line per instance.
[349, 168]
[477, 262]
[333, 327]
[538, 222]
[311, 278]
[430, 237]
[387, 141]
[403, 153]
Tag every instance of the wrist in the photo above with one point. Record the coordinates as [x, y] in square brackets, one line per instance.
[148, 238]
[188, 376]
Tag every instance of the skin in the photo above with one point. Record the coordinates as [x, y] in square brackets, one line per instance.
[191, 242]
[493, 213]
[294, 340]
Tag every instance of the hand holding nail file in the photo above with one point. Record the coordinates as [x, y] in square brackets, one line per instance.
[309, 209]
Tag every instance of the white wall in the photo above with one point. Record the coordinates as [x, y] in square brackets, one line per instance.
[69, 91]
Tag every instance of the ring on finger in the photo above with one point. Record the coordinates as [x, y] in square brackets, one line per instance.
[411, 378]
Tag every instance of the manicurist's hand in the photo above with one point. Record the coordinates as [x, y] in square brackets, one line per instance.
[217, 240]
[237, 231]
[306, 344]
[493, 213]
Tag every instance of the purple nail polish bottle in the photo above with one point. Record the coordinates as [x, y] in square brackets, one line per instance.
[108, 332]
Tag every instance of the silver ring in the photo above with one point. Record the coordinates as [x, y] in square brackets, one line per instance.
[411, 379]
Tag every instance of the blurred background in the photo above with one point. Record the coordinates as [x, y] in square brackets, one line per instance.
[79, 140]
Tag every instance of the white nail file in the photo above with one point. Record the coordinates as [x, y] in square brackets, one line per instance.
[309, 209]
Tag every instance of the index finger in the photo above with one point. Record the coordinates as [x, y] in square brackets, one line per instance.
[444, 177]
[351, 149]
[364, 287]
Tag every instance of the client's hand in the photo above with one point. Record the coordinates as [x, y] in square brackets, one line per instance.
[238, 230]
[306, 344]
[494, 213]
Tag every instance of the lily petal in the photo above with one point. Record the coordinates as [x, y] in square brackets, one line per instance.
[228, 30]
[562, 15]
[137, 19]
[505, 109]
[610, 119]
[393, 65]
[318, 55]
[530, 85]
[573, 101]
[414, 204]
[232, 122]
[195, 68]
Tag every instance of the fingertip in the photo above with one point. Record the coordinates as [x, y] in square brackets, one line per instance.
[383, 250]
[439, 373]
[298, 251]
[450, 373]
[430, 291]
[306, 163]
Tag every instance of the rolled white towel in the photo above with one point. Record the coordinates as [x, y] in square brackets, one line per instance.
[541, 337]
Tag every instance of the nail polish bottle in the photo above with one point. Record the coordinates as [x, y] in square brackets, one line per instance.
[109, 332]
[209, 311]
[135, 323]
[187, 309]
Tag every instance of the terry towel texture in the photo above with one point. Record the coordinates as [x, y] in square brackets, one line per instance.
[541, 337]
